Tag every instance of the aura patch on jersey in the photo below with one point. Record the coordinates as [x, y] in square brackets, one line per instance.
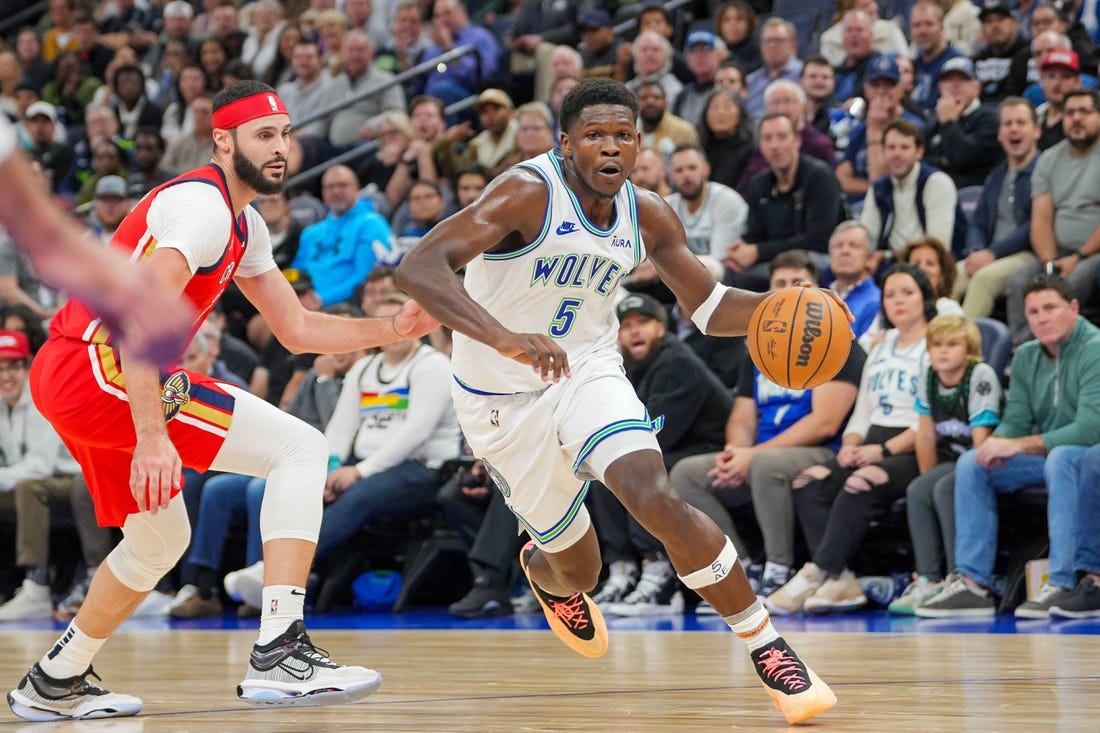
[370, 402]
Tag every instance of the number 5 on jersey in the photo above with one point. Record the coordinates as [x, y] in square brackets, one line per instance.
[566, 315]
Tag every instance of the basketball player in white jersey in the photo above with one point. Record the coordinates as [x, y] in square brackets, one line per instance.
[157, 331]
[539, 387]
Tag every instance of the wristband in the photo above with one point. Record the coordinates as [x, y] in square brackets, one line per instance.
[886, 452]
[701, 316]
[1079, 254]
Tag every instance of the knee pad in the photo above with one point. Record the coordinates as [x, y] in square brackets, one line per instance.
[151, 546]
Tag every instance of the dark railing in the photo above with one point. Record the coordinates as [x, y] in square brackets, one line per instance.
[23, 17]
[401, 78]
[364, 149]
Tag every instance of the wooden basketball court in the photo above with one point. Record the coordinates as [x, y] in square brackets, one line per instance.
[493, 680]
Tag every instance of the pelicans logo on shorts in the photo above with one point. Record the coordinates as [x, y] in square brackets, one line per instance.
[175, 394]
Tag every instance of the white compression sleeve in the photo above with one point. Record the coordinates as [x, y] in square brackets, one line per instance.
[267, 442]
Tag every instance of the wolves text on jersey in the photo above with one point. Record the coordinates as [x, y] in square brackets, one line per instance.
[587, 271]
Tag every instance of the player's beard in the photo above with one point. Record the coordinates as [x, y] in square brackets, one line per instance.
[254, 177]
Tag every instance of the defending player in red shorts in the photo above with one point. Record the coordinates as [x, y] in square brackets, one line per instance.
[133, 427]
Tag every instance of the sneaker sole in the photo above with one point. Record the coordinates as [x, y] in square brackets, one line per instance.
[482, 613]
[273, 696]
[29, 710]
[593, 649]
[633, 610]
[823, 607]
[1056, 612]
[923, 612]
[1035, 614]
[805, 705]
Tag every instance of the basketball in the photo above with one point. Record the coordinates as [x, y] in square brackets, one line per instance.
[799, 337]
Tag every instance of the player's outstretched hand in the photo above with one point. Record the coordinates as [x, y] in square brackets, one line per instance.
[412, 321]
[539, 352]
[155, 472]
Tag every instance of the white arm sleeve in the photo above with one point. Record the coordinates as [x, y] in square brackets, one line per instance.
[192, 218]
[7, 138]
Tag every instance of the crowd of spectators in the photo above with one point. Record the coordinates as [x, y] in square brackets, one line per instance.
[935, 162]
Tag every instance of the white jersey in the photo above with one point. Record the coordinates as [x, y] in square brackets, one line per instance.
[562, 284]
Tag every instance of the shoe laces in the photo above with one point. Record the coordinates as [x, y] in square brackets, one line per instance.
[647, 589]
[571, 612]
[802, 581]
[955, 586]
[1047, 594]
[81, 685]
[303, 645]
[781, 667]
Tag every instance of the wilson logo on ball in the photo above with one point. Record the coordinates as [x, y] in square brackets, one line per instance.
[811, 331]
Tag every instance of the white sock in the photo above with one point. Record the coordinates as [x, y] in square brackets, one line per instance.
[71, 655]
[282, 606]
[753, 626]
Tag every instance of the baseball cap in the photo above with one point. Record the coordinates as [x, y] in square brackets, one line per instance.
[1004, 7]
[595, 19]
[178, 9]
[704, 37]
[14, 345]
[111, 186]
[1061, 57]
[299, 280]
[495, 96]
[882, 67]
[641, 303]
[958, 65]
[39, 109]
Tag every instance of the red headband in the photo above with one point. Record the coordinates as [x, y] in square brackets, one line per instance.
[247, 109]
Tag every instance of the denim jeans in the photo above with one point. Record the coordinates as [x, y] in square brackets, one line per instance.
[225, 497]
[406, 490]
[1087, 554]
[976, 490]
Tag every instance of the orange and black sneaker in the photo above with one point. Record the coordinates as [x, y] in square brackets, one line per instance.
[798, 693]
[576, 620]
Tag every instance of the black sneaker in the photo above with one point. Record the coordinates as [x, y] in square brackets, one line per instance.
[289, 670]
[576, 620]
[1081, 602]
[798, 693]
[40, 698]
[656, 594]
[482, 601]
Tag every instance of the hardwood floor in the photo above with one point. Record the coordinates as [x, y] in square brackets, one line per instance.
[649, 681]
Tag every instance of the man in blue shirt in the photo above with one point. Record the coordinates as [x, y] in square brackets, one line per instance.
[466, 75]
[340, 250]
[849, 261]
[933, 51]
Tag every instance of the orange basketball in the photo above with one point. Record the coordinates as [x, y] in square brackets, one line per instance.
[799, 337]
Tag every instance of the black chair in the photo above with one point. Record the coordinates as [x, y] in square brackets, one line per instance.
[996, 343]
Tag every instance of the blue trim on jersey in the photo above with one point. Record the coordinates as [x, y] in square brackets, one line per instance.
[562, 524]
[239, 224]
[592, 228]
[212, 397]
[472, 390]
[545, 222]
[633, 199]
[620, 426]
[985, 419]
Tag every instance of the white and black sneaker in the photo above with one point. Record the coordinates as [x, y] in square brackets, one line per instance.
[656, 594]
[42, 698]
[289, 670]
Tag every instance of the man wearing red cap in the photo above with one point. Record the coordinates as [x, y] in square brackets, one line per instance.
[1059, 74]
[133, 428]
